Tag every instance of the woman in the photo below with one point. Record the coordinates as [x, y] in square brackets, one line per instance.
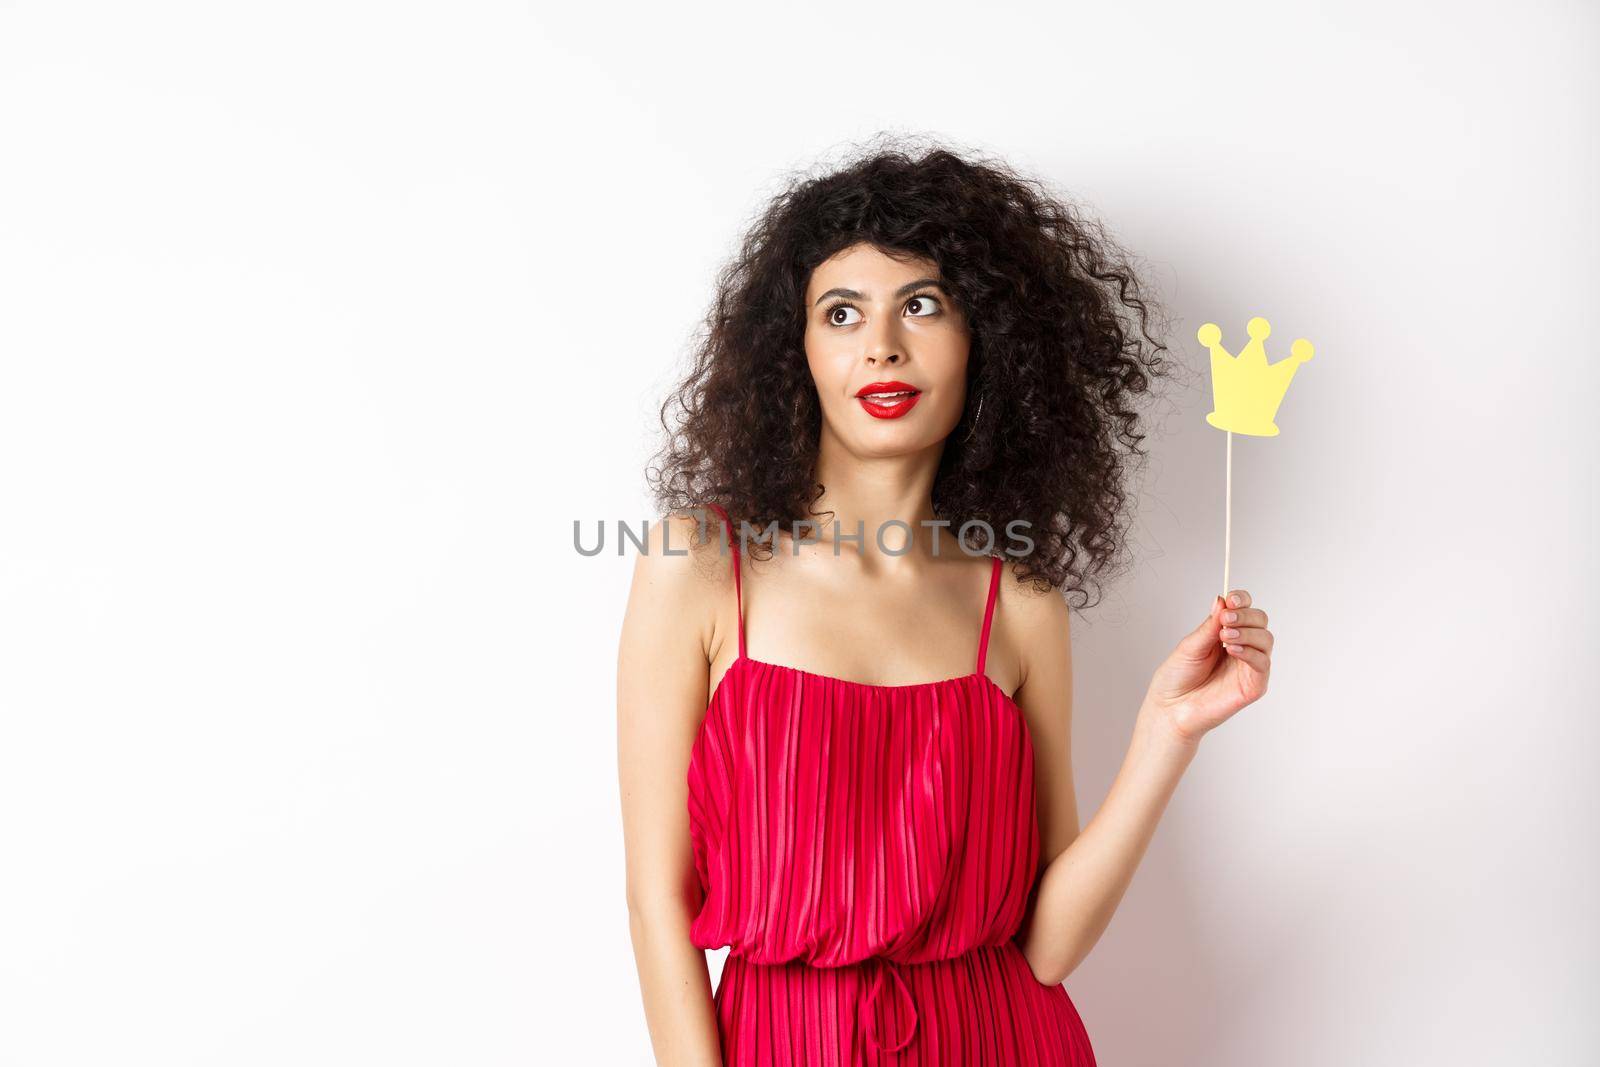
[927, 358]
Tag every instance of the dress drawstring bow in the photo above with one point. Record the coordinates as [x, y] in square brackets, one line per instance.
[871, 1016]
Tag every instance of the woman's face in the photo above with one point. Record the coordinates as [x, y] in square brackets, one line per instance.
[877, 325]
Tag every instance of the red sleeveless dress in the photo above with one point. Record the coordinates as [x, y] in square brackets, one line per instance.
[867, 853]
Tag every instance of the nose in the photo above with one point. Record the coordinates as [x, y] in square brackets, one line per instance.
[883, 346]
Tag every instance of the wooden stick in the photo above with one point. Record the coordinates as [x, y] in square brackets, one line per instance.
[1227, 521]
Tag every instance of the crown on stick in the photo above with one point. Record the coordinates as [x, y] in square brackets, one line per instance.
[1245, 389]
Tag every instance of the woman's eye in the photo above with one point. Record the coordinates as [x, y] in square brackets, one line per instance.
[837, 310]
[920, 306]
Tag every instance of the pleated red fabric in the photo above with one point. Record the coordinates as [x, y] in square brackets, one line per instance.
[867, 853]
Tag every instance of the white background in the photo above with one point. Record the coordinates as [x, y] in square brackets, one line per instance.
[320, 324]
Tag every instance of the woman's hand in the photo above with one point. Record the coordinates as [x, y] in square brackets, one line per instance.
[1217, 669]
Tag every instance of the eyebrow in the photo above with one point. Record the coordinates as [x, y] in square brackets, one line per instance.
[904, 290]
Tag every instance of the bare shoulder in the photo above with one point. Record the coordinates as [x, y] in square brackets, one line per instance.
[1037, 626]
[676, 547]
[677, 580]
[1041, 612]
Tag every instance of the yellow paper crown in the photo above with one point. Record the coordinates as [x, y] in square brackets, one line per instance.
[1245, 389]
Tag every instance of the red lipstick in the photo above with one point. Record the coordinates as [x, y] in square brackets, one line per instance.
[888, 400]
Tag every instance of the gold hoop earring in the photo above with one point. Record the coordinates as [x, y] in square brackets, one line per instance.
[976, 416]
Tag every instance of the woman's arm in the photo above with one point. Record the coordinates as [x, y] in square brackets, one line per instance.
[1200, 685]
[662, 665]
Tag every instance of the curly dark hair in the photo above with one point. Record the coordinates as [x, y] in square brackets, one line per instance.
[1046, 294]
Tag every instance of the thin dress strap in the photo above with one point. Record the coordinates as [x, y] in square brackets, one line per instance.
[738, 593]
[988, 613]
